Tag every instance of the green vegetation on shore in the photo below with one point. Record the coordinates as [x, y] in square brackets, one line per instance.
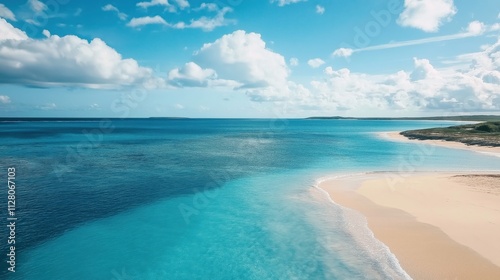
[482, 134]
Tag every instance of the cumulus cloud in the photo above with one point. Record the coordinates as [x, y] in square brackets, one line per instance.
[211, 7]
[494, 27]
[111, 8]
[240, 61]
[315, 62]
[344, 90]
[181, 4]
[6, 13]
[292, 94]
[476, 28]
[472, 86]
[204, 23]
[9, 32]
[207, 23]
[191, 75]
[282, 3]
[37, 12]
[37, 6]
[66, 61]
[343, 52]
[151, 3]
[4, 99]
[427, 15]
[320, 9]
[423, 70]
[243, 57]
[147, 20]
[329, 70]
[294, 61]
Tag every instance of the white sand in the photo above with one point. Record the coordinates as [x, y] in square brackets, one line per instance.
[440, 226]
[395, 136]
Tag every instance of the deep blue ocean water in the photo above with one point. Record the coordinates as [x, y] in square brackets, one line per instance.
[201, 199]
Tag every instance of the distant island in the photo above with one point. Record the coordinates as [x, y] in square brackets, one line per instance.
[169, 118]
[481, 134]
[72, 119]
[472, 118]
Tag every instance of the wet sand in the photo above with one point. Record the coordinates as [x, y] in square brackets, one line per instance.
[439, 225]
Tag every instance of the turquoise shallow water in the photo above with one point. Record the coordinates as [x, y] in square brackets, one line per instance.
[204, 199]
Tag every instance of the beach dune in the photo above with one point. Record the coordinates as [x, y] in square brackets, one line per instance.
[439, 225]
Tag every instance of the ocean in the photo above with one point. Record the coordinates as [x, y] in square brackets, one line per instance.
[202, 198]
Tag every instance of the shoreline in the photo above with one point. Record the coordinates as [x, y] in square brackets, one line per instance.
[395, 136]
[439, 225]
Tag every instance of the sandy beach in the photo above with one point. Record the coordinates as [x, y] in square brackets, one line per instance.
[395, 136]
[439, 225]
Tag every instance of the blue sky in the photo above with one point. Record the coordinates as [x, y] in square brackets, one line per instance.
[242, 58]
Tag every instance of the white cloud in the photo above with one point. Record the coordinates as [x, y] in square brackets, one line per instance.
[47, 107]
[207, 23]
[474, 28]
[211, 7]
[182, 4]
[138, 22]
[66, 61]
[9, 32]
[315, 62]
[243, 57]
[495, 27]
[427, 15]
[32, 21]
[4, 99]
[37, 6]
[6, 13]
[204, 23]
[112, 8]
[35, 11]
[423, 70]
[282, 3]
[179, 106]
[329, 70]
[240, 61]
[151, 3]
[291, 93]
[472, 87]
[191, 75]
[343, 52]
[320, 9]
[94, 107]
[294, 61]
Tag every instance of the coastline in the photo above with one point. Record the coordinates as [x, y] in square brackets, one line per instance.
[395, 136]
[439, 225]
